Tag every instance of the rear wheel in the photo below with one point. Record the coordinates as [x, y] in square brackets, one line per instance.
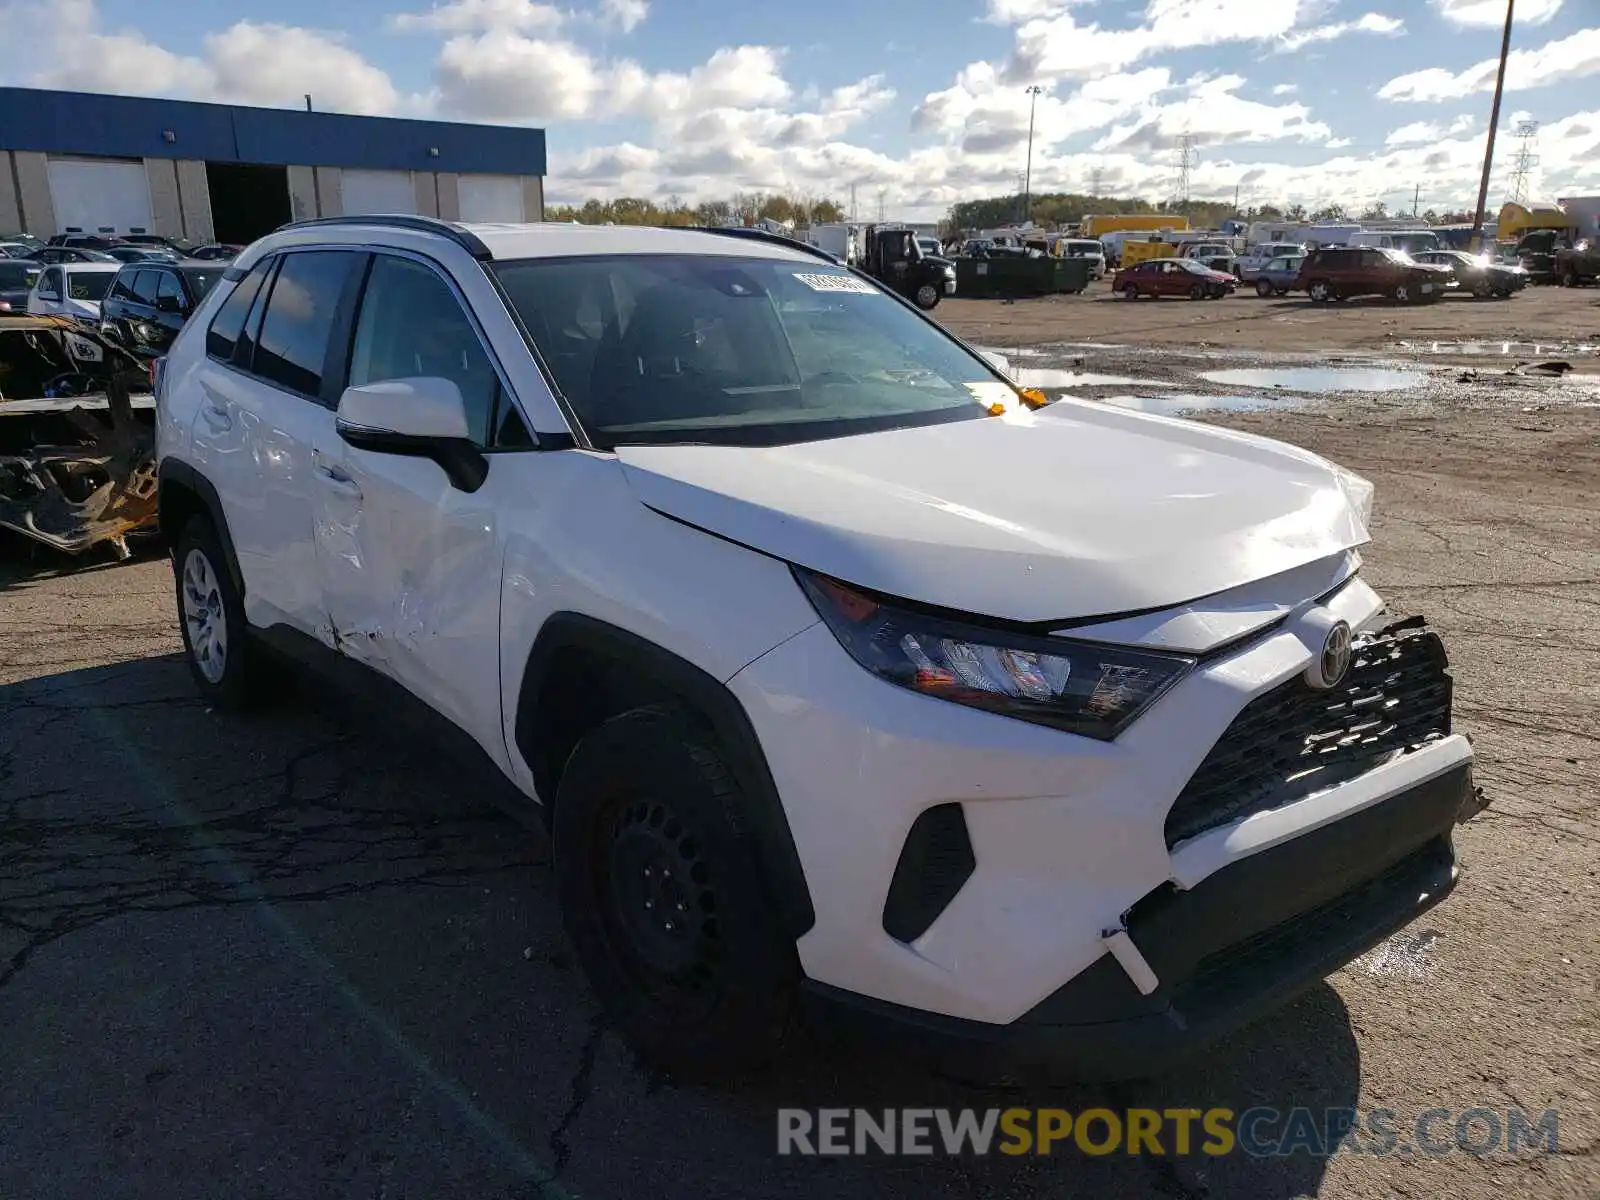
[663, 899]
[228, 668]
[1263, 288]
[1569, 277]
[1483, 289]
[1320, 291]
[1199, 292]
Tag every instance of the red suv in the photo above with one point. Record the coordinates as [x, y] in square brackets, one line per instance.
[1339, 272]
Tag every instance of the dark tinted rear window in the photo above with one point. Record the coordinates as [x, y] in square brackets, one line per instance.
[17, 275]
[229, 321]
[200, 281]
[295, 330]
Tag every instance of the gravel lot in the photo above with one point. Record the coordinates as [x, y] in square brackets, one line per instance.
[296, 955]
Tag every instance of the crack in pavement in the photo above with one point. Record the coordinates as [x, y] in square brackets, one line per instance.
[578, 1092]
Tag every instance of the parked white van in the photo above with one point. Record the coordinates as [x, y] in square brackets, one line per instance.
[1410, 241]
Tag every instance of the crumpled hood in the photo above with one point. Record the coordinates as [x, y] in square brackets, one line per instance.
[1078, 510]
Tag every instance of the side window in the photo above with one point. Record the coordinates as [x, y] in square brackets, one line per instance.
[228, 324]
[122, 286]
[292, 348]
[411, 324]
[169, 289]
[50, 285]
[144, 287]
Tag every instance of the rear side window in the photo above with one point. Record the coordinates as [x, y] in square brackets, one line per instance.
[144, 286]
[292, 347]
[169, 288]
[228, 324]
[16, 275]
[122, 286]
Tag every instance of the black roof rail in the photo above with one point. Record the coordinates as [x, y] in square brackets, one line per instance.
[762, 235]
[461, 237]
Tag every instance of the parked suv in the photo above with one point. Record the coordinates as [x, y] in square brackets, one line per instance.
[736, 566]
[1340, 272]
[149, 302]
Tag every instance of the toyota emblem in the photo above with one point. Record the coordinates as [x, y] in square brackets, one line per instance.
[1334, 661]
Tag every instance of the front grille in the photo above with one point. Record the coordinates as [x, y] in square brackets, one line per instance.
[1296, 740]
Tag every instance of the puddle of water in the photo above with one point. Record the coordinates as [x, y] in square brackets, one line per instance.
[1518, 348]
[1052, 377]
[1176, 403]
[1318, 379]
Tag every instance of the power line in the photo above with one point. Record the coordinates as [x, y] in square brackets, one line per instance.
[1525, 161]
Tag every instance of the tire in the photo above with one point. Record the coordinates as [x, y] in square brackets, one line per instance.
[1569, 278]
[1320, 291]
[1199, 292]
[1130, 292]
[1483, 291]
[1402, 293]
[926, 297]
[229, 669]
[1281, 292]
[1263, 289]
[645, 795]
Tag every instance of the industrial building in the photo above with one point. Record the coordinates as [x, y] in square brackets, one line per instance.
[77, 162]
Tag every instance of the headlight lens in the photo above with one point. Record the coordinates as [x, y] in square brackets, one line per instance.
[949, 272]
[1078, 687]
[1359, 491]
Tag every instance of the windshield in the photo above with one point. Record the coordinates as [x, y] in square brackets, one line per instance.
[89, 285]
[725, 350]
[200, 281]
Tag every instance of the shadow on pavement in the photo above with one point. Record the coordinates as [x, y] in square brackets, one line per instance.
[295, 955]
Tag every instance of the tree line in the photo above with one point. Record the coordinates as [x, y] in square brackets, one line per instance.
[1065, 208]
[1046, 208]
[743, 208]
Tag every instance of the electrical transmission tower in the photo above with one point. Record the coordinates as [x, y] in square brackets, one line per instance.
[882, 192]
[852, 204]
[1096, 179]
[1188, 159]
[1523, 164]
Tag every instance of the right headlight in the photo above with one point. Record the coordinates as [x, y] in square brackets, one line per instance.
[1079, 687]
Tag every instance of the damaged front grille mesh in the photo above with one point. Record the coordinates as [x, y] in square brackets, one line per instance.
[1296, 740]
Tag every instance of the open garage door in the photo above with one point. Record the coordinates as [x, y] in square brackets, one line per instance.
[100, 195]
[366, 192]
[490, 197]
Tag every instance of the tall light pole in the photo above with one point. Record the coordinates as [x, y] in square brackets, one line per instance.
[1494, 122]
[1027, 175]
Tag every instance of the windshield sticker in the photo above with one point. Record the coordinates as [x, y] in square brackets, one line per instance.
[837, 283]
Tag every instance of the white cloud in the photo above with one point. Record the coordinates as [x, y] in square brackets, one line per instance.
[248, 63]
[1571, 57]
[1367, 23]
[1421, 133]
[1493, 12]
[461, 16]
[1285, 89]
[1212, 112]
[624, 14]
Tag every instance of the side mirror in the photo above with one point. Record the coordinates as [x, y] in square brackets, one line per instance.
[420, 417]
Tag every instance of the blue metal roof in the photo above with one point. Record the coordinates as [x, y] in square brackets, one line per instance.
[137, 127]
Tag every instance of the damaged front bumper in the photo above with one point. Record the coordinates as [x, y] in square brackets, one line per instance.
[77, 462]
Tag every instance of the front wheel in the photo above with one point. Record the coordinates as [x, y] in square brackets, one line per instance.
[1263, 288]
[1320, 292]
[926, 297]
[1402, 293]
[663, 898]
[1130, 292]
[1198, 292]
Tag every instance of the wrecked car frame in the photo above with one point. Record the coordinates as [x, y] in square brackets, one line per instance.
[77, 466]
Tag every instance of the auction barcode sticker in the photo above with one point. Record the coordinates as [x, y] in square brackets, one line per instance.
[837, 283]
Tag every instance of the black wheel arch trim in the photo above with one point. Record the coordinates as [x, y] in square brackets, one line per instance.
[181, 473]
[735, 734]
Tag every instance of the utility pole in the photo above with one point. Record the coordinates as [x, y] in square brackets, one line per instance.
[1416, 201]
[852, 204]
[1236, 188]
[1186, 161]
[1027, 175]
[308, 101]
[1494, 121]
[1522, 166]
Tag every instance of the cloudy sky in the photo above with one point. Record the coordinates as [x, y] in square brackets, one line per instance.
[924, 103]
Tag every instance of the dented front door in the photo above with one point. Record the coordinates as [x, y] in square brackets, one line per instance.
[410, 570]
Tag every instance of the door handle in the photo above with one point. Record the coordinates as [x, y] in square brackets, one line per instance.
[334, 479]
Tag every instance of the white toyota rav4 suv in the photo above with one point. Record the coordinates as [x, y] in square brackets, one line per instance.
[1061, 737]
